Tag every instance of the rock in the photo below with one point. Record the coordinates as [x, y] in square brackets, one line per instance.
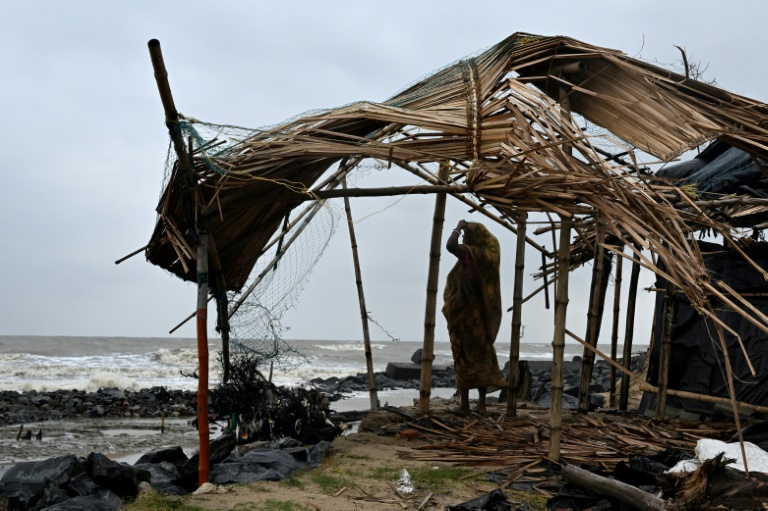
[52, 494]
[115, 476]
[569, 402]
[417, 356]
[403, 371]
[265, 465]
[219, 449]
[82, 485]
[25, 483]
[108, 501]
[173, 455]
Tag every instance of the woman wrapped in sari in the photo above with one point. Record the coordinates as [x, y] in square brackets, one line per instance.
[472, 308]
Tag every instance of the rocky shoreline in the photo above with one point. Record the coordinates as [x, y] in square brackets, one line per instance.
[38, 406]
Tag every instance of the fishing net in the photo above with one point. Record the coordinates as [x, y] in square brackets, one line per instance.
[283, 269]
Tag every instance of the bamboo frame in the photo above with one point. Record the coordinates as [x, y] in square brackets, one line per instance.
[615, 327]
[428, 351]
[629, 330]
[666, 351]
[361, 299]
[517, 314]
[558, 341]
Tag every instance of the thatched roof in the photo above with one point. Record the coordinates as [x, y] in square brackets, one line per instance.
[501, 121]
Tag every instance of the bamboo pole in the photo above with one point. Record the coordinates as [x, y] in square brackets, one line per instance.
[517, 311]
[594, 317]
[666, 351]
[363, 308]
[202, 355]
[171, 117]
[629, 329]
[615, 327]
[624, 492]
[428, 349]
[558, 341]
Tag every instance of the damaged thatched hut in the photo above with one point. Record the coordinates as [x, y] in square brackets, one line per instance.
[533, 124]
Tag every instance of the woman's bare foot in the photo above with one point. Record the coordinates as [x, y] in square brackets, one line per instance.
[462, 412]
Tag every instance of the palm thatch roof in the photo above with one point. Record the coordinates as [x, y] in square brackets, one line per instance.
[503, 121]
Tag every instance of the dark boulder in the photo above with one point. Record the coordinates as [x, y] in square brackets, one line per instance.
[219, 450]
[113, 475]
[107, 501]
[174, 455]
[23, 485]
[317, 453]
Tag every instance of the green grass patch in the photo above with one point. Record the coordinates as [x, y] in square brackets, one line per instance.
[152, 501]
[386, 473]
[328, 483]
[536, 500]
[281, 505]
[358, 457]
[293, 481]
[436, 478]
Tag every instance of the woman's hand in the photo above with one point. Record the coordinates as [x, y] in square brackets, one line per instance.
[461, 225]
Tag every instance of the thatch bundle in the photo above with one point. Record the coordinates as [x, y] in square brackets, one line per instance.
[502, 121]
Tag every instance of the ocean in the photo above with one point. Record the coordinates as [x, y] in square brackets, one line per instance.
[89, 363]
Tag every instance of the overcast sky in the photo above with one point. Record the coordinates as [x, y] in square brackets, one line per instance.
[84, 142]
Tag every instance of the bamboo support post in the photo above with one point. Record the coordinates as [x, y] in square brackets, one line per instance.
[666, 351]
[594, 318]
[171, 118]
[558, 342]
[428, 349]
[615, 328]
[629, 329]
[202, 355]
[517, 306]
[363, 308]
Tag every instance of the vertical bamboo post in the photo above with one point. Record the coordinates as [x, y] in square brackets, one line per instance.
[666, 350]
[363, 308]
[629, 330]
[558, 341]
[171, 118]
[428, 349]
[202, 353]
[615, 327]
[517, 311]
[594, 318]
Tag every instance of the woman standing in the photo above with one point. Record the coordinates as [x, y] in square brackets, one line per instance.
[472, 308]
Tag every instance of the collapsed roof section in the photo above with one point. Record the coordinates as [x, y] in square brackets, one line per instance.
[502, 121]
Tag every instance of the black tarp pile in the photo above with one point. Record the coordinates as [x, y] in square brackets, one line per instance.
[697, 363]
[721, 169]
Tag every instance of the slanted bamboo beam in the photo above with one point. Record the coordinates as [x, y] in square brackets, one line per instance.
[363, 308]
[647, 387]
[428, 349]
[517, 311]
[629, 330]
[666, 351]
[594, 318]
[615, 327]
[558, 341]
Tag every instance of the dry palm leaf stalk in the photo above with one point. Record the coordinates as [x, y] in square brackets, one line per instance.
[523, 442]
[496, 119]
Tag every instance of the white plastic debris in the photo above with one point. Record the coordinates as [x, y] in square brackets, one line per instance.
[405, 485]
[209, 488]
[707, 448]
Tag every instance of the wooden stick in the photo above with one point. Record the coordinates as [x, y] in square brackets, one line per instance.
[624, 492]
[615, 327]
[428, 349]
[629, 330]
[517, 312]
[203, 469]
[363, 308]
[666, 351]
[594, 316]
[558, 341]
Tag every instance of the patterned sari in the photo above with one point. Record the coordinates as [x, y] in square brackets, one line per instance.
[472, 308]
